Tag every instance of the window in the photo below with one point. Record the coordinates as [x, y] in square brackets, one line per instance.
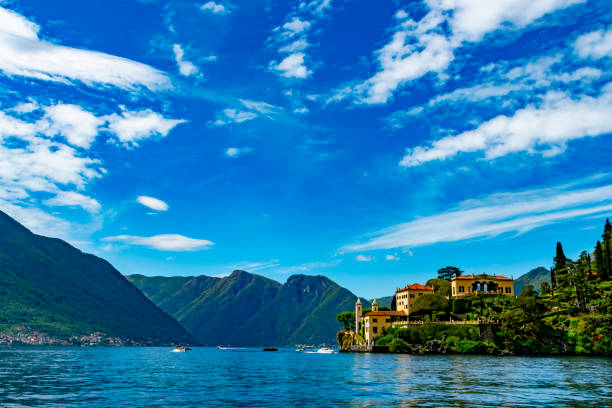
[508, 290]
[388, 320]
[412, 296]
[374, 320]
[461, 289]
[375, 329]
[420, 294]
[500, 290]
[453, 290]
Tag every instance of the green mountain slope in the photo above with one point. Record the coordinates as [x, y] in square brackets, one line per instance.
[534, 277]
[244, 309]
[51, 287]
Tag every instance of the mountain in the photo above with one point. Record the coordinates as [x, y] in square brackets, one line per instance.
[384, 301]
[245, 309]
[534, 277]
[46, 285]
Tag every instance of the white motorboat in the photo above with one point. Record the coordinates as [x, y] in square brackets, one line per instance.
[325, 350]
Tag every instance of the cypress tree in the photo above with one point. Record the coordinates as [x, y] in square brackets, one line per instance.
[599, 262]
[560, 266]
[607, 250]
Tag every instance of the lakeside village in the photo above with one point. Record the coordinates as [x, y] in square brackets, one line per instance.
[25, 336]
[571, 314]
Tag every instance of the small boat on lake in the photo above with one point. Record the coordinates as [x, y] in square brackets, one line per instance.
[181, 349]
[322, 350]
[270, 349]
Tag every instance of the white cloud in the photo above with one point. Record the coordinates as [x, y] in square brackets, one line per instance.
[234, 152]
[506, 83]
[153, 203]
[596, 44]
[74, 199]
[364, 258]
[229, 115]
[261, 107]
[316, 7]
[296, 26]
[542, 129]
[25, 54]
[293, 66]
[295, 46]
[132, 127]
[491, 216]
[79, 126]
[215, 8]
[419, 48]
[163, 242]
[186, 68]
[392, 257]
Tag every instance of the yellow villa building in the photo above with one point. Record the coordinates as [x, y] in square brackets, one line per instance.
[464, 285]
[405, 297]
[376, 322]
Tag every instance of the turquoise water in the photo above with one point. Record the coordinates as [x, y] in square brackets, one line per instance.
[203, 377]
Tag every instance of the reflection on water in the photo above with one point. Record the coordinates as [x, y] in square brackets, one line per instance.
[154, 377]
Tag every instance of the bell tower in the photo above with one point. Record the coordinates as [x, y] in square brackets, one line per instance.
[357, 314]
[374, 306]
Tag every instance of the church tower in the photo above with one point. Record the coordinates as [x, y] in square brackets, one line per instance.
[357, 314]
[375, 306]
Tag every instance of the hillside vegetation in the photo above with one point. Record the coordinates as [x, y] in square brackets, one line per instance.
[46, 285]
[245, 309]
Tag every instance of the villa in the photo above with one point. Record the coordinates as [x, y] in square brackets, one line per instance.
[464, 285]
[375, 322]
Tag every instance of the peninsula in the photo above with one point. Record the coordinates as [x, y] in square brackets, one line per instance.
[481, 314]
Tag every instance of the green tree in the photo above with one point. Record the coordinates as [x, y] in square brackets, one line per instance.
[544, 288]
[427, 305]
[347, 319]
[441, 287]
[522, 325]
[449, 272]
[607, 250]
[599, 262]
[560, 266]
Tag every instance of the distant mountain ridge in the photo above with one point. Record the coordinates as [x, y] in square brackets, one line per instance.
[49, 286]
[534, 277]
[245, 309]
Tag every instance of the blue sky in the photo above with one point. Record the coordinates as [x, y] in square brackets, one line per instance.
[371, 142]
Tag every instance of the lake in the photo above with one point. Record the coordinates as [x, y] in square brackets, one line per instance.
[206, 377]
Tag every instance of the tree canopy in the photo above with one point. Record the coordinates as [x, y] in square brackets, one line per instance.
[441, 287]
[448, 272]
[428, 304]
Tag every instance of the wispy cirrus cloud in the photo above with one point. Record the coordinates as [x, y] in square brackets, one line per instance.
[428, 45]
[494, 215]
[163, 242]
[541, 128]
[25, 54]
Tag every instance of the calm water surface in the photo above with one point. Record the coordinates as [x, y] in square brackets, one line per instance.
[154, 377]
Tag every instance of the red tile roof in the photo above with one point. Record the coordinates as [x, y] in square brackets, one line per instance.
[415, 286]
[483, 276]
[386, 313]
